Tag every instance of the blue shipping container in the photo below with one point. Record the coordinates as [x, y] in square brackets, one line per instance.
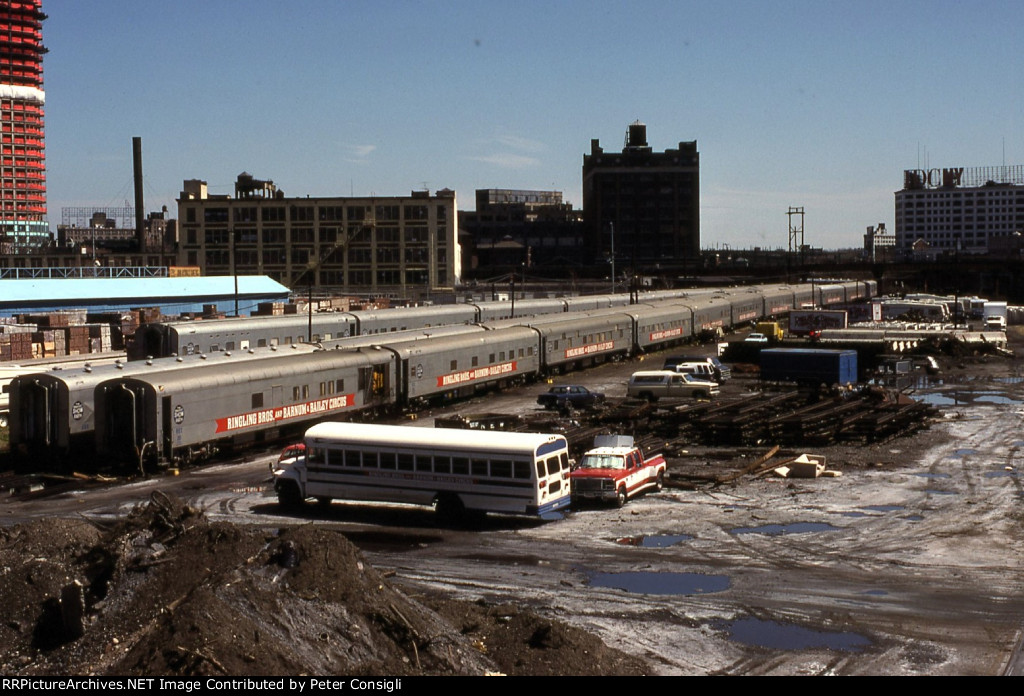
[809, 365]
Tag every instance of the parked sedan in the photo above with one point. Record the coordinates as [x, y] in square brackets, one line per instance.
[569, 396]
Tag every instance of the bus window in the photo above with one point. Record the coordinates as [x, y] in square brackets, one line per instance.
[405, 462]
[521, 470]
[369, 460]
[564, 459]
[479, 467]
[460, 465]
[387, 460]
[443, 465]
[352, 458]
[501, 468]
[423, 463]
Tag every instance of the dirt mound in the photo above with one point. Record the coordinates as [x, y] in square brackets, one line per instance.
[165, 592]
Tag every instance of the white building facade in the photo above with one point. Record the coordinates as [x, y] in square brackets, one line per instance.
[958, 209]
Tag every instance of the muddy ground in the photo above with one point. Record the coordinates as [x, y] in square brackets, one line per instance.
[906, 564]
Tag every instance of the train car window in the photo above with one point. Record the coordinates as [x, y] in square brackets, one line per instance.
[261, 343]
[257, 400]
[501, 356]
[490, 358]
[305, 391]
[454, 365]
[323, 389]
[475, 361]
[214, 347]
[295, 393]
[339, 385]
[287, 340]
[529, 351]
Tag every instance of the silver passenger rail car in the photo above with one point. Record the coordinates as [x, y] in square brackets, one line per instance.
[459, 365]
[176, 418]
[165, 339]
[370, 322]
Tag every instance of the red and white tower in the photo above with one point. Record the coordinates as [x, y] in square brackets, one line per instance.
[23, 225]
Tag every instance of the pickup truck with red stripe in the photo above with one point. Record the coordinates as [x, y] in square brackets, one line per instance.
[615, 470]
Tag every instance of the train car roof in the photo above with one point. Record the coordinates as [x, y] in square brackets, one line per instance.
[253, 370]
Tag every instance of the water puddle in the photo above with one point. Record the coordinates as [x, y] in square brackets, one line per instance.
[375, 541]
[965, 452]
[853, 513]
[914, 518]
[929, 474]
[882, 508]
[1017, 379]
[654, 541]
[1000, 474]
[875, 593]
[965, 397]
[783, 636]
[649, 582]
[780, 529]
[996, 399]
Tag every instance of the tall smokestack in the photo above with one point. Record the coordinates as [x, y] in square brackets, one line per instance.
[140, 208]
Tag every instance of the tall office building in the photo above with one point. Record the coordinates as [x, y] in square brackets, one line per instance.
[23, 225]
[643, 204]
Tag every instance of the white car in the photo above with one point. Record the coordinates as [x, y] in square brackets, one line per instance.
[756, 338]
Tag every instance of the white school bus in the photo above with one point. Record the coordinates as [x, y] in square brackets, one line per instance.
[455, 471]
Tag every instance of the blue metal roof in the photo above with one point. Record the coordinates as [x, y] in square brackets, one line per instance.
[172, 295]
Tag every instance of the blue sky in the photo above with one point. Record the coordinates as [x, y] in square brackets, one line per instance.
[813, 104]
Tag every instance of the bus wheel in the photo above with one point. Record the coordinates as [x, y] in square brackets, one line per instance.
[449, 507]
[620, 498]
[288, 496]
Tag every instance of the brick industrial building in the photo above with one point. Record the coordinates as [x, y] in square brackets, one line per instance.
[23, 225]
[644, 204]
[402, 246]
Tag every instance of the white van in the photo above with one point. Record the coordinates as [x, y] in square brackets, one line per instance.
[656, 384]
[704, 370]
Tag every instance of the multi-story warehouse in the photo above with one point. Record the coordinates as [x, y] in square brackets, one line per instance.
[403, 246]
[643, 204]
[23, 225]
[958, 209]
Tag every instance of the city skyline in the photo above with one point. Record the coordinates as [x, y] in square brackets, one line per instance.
[805, 104]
